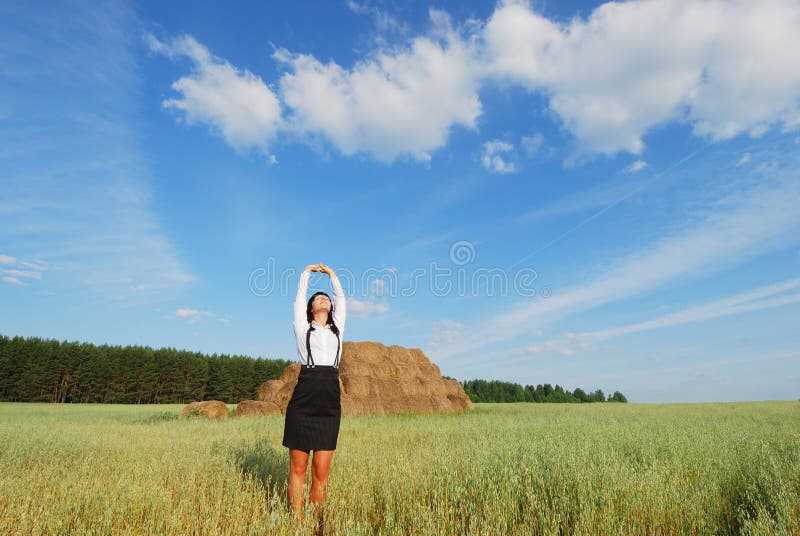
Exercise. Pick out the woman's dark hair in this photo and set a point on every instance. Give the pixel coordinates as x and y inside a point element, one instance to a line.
<point>310,316</point>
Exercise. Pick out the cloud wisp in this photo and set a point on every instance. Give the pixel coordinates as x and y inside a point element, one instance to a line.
<point>365,307</point>
<point>765,297</point>
<point>192,316</point>
<point>636,166</point>
<point>76,194</point>
<point>758,299</point>
<point>757,218</point>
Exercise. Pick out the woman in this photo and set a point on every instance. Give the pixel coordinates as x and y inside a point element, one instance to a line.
<point>314,411</point>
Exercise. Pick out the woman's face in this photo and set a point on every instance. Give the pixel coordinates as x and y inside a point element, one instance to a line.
<point>320,303</point>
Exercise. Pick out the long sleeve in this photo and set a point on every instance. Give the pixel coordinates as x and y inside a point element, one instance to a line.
<point>300,321</point>
<point>340,303</point>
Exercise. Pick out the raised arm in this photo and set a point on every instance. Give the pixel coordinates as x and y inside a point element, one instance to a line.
<point>340,303</point>
<point>300,320</point>
<point>340,307</point>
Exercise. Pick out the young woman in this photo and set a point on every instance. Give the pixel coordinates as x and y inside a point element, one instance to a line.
<point>314,411</point>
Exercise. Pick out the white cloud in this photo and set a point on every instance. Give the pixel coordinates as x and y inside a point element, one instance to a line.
<point>191,313</point>
<point>532,144</point>
<point>16,276</point>
<point>237,104</point>
<point>23,274</point>
<point>635,166</point>
<point>745,159</point>
<point>492,158</point>
<point>359,307</point>
<point>402,102</point>
<point>445,332</point>
<point>35,265</point>
<point>385,22</point>
<point>725,67</point>
<point>194,315</point>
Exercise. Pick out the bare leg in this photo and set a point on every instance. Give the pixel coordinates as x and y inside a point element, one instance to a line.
<point>320,466</point>
<point>298,464</point>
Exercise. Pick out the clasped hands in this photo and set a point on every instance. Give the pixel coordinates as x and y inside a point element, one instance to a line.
<point>320,268</point>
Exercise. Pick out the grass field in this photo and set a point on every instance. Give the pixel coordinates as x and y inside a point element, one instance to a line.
<point>500,469</point>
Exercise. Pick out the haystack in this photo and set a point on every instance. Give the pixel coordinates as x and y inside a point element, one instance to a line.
<point>210,409</point>
<point>379,379</point>
<point>254,408</point>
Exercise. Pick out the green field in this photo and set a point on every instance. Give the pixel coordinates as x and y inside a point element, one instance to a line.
<point>501,469</point>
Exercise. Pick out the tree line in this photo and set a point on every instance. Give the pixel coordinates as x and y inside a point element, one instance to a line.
<point>46,370</point>
<point>497,391</point>
<point>33,369</point>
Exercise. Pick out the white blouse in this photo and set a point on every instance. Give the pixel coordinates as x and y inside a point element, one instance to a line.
<point>323,340</point>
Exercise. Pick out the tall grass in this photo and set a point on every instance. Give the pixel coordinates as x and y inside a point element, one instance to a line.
<point>500,469</point>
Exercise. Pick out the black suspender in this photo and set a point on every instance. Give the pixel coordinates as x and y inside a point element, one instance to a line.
<point>308,347</point>
<point>338,343</point>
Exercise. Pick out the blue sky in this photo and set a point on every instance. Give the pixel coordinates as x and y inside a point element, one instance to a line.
<point>594,195</point>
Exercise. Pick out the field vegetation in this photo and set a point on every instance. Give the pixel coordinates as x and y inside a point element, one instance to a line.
<point>500,469</point>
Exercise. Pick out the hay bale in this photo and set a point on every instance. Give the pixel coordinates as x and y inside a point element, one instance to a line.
<point>291,373</point>
<point>357,387</point>
<point>356,368</point>
<point>269,389</point>
<point>254,408</point>
<point>352,406</point>
<point>456,395</point>
<point>378,379</point>
<point>210,409</point>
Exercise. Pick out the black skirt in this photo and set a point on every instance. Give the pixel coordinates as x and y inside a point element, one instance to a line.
<point>314,411</point>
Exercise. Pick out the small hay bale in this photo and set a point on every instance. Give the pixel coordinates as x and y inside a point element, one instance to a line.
<point>255,408</point>
<point>280,391</point>
<point>210,409</point>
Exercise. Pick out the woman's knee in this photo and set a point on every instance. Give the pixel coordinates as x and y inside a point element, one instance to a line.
<point>320,469</point>
<point>319,474</point>
<point>298,470</point>
<point>298,465</point>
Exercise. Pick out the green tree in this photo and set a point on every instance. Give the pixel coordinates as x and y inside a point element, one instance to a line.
<point>34,369</point>
<point>618,397</point>
<point>597,396</point>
